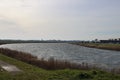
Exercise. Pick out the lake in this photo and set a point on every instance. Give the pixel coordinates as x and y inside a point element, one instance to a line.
<point>70,52</point>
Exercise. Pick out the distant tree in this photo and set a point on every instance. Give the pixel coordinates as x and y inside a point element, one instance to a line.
<point>96,40</point>
<point>115,39</point>
<point>119,39</point>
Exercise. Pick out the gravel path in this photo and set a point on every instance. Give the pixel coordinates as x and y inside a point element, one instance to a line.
<point>10,68</point>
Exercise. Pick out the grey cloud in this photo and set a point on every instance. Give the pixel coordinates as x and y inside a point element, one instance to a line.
<point>63,19</point>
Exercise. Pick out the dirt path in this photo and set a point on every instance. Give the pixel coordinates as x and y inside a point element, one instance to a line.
<point>10,68</point>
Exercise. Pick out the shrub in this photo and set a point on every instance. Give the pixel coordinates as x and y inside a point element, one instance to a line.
<point>84,76</point>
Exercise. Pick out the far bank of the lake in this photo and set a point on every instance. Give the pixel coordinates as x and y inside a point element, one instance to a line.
<point>106,46</point>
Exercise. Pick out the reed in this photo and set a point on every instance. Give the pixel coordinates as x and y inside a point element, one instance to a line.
<point>50,64</point>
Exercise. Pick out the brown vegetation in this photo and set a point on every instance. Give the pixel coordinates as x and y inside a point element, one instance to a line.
<point>50,64</point>
<point>106,46</point>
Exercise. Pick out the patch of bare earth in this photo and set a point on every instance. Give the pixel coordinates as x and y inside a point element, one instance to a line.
<point>9,68</point>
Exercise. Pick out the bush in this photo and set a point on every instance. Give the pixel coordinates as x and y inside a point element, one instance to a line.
<point>85,75</point>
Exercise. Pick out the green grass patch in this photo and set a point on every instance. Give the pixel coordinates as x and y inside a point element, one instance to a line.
<point>31,72</point>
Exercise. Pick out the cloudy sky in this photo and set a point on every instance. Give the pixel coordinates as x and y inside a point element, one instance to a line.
<point>59,19</point>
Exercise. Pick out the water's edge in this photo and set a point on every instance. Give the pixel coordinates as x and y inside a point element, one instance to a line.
<point>74,53</point>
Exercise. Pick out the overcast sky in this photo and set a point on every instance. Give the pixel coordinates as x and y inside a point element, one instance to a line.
<point>59,19</point>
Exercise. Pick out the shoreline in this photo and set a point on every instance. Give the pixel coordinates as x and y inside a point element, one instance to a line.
<point>50,64</point>
<point>31,72</point>
<point>55,72</point>
<point>104,46</point>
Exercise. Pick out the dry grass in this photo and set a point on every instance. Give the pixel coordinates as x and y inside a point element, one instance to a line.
<point>106,46</point>
<point>50,64</point>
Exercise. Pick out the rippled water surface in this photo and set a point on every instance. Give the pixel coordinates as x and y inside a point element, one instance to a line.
<point>70,52</point>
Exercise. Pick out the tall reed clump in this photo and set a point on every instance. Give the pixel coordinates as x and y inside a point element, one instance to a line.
<point>50,64</point>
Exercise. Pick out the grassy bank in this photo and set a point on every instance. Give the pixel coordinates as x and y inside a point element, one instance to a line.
<point>31,72</point>
<point>106,46</point>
